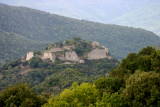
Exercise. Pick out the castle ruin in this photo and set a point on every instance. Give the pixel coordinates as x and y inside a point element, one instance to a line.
<point>67,54</point>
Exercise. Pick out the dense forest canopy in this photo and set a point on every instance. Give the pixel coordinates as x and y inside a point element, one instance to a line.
<point>133,83</point>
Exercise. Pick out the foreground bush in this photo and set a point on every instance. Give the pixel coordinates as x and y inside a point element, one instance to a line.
<point>83,95</point>
<point>20,96</point>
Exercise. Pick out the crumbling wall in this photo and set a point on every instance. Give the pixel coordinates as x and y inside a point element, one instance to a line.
<point>66,53</point>
<point>49,55</point>
<point>71,56</point>
<point>29,56</point>
<point>98,54</point>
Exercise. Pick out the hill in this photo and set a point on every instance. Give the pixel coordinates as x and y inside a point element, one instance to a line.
<point>146,17</point>
<point>51,76</point>
<point>135,13</point>
<point>71,52</point>
<point>13,46</point>
<point>41,26</point>
<point>134,82</point>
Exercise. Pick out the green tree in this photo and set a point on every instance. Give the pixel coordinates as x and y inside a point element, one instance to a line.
<point>144,63</point>
<point>130,62</point>
<point>36,62</point>
<point>83,95</point>
<point>147,51</point>
<point>155,62</point>
<point>143,89</point>
<point>112,100</point>
<point>20,96</point>
<point>109,85</point>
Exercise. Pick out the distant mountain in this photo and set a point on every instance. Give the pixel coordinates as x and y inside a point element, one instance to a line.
<point>13,46</point>
<point>146,17</point>
<point>134,13</point>
<point>41,26</point>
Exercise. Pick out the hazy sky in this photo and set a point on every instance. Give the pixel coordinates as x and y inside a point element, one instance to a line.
<point>96,10</point>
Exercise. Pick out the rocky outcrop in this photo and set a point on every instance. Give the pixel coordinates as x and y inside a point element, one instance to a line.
<point>98,54</point>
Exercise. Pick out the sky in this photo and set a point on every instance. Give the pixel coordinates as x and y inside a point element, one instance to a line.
<point>94,10</point>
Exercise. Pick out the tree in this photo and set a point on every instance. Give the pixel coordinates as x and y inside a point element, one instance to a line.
<point>83,95</point>
<point>109,85</point>
<point>20,96</point>
<point>148,59</point>
<point>112,100</point>
<point>144,63</point>
<point>147,51</point>
<point>36,62</point>
<point>155,62</point>
<point>143,89</point>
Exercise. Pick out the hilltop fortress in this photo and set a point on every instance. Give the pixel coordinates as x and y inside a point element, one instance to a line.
<point>72,51</point>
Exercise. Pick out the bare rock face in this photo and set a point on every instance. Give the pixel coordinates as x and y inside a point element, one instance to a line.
<point>98,54</point>
<point>71,56</point>
<point>29,56</point>
<point>49,55</point>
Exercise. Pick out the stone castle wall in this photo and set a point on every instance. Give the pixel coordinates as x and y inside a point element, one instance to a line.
<point>97,54</point>
<point>48,55</point>
<point>29,56</point>
<point>71,56</point>
<point>66,53</point>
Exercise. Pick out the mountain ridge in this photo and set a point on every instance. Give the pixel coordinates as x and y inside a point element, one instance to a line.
<point>45,27</point>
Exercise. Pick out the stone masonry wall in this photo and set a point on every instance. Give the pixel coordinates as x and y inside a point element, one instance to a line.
<point>29,56</point>
<point>97,54</point>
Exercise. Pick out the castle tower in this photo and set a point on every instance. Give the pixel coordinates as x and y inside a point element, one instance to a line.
<point>29,56</point>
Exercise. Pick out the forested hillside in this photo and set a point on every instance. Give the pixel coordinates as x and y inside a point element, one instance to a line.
<point>52,76</point>
<point>42,26</point>
<point>14,46</point>
<point>133,83</point>
<point>135,13</point>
